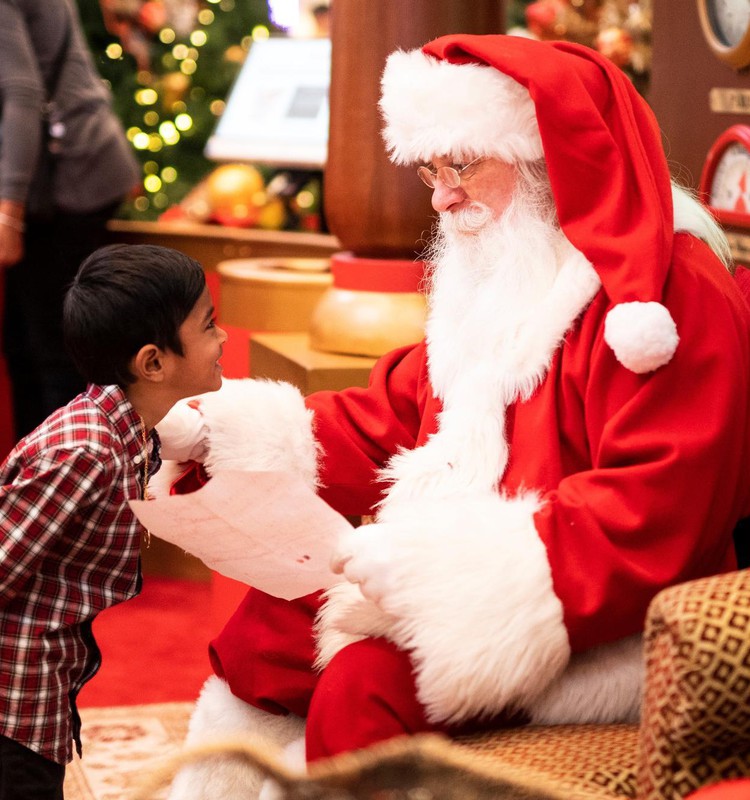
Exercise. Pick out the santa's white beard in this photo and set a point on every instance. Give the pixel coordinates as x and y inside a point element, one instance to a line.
<point>487,276</point>
<point>502,299</point>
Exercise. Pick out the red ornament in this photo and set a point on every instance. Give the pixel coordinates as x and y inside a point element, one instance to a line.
<point>152,16</point>
<point>616,44</point>
<point>542,17</point>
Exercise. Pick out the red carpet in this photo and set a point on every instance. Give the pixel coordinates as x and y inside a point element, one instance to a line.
<point>154,647</point>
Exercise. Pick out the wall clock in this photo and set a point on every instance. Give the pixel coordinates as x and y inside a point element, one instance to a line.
<point>726,26</point>
<point>725,180</point>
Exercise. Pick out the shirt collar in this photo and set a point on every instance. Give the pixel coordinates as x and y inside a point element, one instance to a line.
<point>119,410</point>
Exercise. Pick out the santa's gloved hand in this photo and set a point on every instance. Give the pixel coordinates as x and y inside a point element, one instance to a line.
<point>365,556</point>
<point>183,433</point>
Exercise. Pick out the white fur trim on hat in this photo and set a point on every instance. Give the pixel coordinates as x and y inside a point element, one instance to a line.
<point>643,336</point>
<point>434,108</point>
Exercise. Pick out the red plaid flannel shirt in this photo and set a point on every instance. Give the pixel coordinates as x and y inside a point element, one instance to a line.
<point>69,547</point>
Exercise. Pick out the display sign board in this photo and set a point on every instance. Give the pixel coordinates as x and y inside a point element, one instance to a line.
<point>277,110</point>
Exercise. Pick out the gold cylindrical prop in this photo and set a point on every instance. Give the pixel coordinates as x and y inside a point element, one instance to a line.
<point>372,306</point>
<point>271,294</point>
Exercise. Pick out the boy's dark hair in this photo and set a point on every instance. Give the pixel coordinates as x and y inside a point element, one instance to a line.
<point>123,297</point>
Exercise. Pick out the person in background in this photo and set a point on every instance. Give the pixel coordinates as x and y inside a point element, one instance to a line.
<point>65,167</point>
<point>321,13</point>
<point>141,329</point>
<point>571,437</point>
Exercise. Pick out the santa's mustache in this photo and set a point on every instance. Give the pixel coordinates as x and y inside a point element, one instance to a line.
<point>469,220</point>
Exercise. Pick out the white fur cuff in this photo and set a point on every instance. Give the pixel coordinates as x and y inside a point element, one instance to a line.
<point>259,425</point>
<point>346,617</point>
<point>473,602</point>
<point>603,684</point>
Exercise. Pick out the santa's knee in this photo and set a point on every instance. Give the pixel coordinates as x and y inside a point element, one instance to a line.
<point>366,694</point>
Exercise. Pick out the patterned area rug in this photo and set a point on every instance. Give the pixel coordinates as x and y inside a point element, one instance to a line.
<point>125,748</point>
<point>122,745</point>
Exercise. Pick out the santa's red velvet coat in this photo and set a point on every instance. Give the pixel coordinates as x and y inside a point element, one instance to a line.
<point>533,492</point>
<point>636,480</point>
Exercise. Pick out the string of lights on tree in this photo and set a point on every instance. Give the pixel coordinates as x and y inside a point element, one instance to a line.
<point>170,64</point>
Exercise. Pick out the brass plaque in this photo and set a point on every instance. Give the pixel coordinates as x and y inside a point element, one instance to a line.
<point>729,101</point>
<point>739,244</point>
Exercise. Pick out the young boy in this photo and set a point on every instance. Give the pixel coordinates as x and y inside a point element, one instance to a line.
<point>140,326</point>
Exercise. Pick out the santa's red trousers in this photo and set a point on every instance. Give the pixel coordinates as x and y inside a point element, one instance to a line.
<point>366,694</point>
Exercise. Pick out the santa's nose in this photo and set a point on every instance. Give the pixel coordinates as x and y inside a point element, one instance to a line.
<point>444,198</point>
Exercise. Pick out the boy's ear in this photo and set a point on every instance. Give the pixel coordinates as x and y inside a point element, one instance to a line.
<point>148,363</point>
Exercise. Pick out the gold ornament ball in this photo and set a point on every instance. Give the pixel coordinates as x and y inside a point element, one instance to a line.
<point>272,215</point>
<point>174,87</point>
<point>235,54</point>
<point>233,187</point>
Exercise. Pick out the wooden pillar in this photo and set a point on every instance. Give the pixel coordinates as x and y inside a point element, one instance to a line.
<point>380,213</point>
<point>375,209</point>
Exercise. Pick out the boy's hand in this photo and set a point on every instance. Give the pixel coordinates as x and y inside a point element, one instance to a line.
<point>11,246</point>
<point>11,232</point>
<point>183,433</point>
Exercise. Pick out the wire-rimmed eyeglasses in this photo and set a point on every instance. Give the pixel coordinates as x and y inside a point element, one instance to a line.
<point>449,176</point>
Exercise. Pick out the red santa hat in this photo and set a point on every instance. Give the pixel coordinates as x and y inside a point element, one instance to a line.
<point>519,99</point>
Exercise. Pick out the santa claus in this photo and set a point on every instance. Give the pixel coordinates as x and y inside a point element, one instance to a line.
<point>571,437</point>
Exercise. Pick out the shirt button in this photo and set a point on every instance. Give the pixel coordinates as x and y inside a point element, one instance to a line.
<point>137,459</point>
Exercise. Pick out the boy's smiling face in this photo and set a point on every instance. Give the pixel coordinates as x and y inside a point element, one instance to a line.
<point>198,369</point>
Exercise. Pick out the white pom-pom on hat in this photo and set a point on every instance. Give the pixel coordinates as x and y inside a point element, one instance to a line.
<point>643,336</point>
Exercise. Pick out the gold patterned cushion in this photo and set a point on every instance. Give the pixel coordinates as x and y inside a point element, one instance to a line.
<point>580,761</point>
<point>696,715</point>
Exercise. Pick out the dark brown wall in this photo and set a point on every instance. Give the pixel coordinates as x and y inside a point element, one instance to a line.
<point>684,71</point>
<point>374,208</point>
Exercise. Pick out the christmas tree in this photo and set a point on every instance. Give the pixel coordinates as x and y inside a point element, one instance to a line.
<point>618,29</point>
<point>170,65</point>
